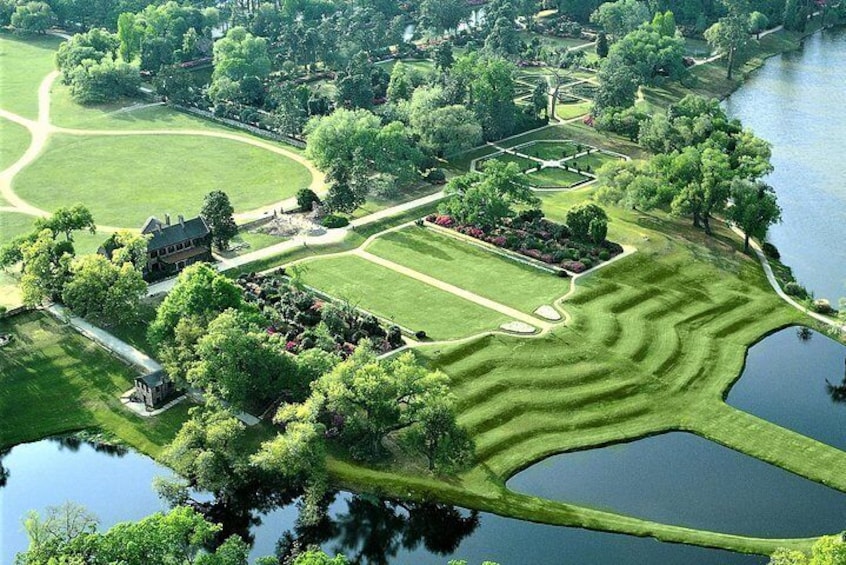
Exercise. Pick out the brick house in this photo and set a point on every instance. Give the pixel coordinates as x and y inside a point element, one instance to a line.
<point>172,247</point>
<point>153,389</point>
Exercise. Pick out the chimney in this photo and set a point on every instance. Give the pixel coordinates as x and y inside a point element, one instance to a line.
<point>181,220</point>
<point>167,219</point>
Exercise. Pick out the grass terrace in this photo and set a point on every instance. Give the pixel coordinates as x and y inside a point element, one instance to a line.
<point>123,180</point>
<point>470,267</point>
<point>549,151</point>
<point>398,298</point>
<point>568,111</point>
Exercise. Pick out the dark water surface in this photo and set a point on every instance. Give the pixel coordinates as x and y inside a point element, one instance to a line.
<point>118,488</point>
<point>795,378</point>
<point>682,479</point>
<point>796,102</point>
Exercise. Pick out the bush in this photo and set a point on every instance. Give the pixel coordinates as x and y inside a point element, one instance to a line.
<point>604,255</point>
<point>305,198</point>
<point>793,288</point>
<point>587,262</point>
<point>436,176</point>
<point>574,266</point>
<point>771,251</point>
<point>580,217</point>
<point>332,221</point>
<point>420,335</point>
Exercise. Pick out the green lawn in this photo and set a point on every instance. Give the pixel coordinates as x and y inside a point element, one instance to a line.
<point>549,151</point>
<point>592,160</point>
<point>124,180</point>
<point>572,110</point>
<point>14,139</point>
<point>247,241</point>
<point>24,62</point>
<point>408,302</point>
<point>522,162</point>
<point>554,177</point>
<point>53,381</point>
<point>471,268</point>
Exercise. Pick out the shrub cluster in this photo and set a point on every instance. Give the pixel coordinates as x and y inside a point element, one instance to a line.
<point>306,322</point>
<point>334,221</point>
<point>534,236</point>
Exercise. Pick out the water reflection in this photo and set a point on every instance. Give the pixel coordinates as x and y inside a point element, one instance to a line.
<point>4,471</point>
<point>73,443</point>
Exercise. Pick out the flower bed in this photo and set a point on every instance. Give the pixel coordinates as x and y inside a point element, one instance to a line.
<point>304,321</point>
<point>531,235</point>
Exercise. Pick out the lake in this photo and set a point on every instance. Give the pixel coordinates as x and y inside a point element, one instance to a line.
<point>794,101</point>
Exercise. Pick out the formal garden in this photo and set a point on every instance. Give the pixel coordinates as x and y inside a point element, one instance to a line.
<point>553,164</point>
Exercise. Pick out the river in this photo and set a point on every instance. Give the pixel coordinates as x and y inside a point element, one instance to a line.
<point>794,102</point>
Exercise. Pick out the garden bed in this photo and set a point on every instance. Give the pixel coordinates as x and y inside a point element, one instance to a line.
<point>535,237</point>
<point>304,321</point>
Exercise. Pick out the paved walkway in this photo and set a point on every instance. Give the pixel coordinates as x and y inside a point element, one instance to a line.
<point>768,270</point>
<point>105,339</point>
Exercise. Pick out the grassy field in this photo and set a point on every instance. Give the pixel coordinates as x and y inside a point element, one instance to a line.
<point>54,381</point>
<point>14,139</point>
<point>592,160</point>
<point>127,179</point>
<point>572,110</point>
<point>474,269</point>
<point>522,162</point>
<point>554,177</point>
<point>24,62</point>
<point>393,296</point>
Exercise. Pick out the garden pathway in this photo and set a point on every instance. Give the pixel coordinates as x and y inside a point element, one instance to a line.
<point>41,129</point>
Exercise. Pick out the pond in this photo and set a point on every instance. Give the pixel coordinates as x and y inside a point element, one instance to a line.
<point>795,103</point>
<point>377,531</point>
<point>792,378</point>
<point>682,479</point>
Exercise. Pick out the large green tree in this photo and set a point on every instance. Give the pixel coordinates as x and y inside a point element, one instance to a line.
<point>32,17</point>
<point>240,54</point>
<point>754,208</point>
<point>219,214</point>
<point>104,289</point>
<point>728,37</point>
<point>621,17</point>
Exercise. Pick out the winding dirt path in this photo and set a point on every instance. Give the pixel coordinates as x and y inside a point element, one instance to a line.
<point>41,129</point>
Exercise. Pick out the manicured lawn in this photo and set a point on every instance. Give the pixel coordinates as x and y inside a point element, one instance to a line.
<point>247,241</point>
<point>13,225</point>
<point>471,268</point>
<point>24,62</point>
<point>553,176</point>
<point>593,160</point>
<point>53,381</point>
<point>376,203</point>
<point>573,110</point>
<point>522,162</point>
<point>14,139</point>
<point>408,302</point>
<point>124,180</point>
<point>549,151</point>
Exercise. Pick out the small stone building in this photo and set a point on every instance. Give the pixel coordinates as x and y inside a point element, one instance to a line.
<point>172,247</point>
<point>153,389</point>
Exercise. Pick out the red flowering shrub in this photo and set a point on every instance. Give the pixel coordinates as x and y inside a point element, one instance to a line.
<point>574,266</point>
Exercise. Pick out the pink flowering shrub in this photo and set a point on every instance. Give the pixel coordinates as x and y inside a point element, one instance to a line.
<point>574,266</point>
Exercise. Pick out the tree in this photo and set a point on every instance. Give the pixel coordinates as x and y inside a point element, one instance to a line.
<point>442,15</point>
<point>758,22</point>
<point>219,214</point>
<point>445,444</point>
<point>105,81</point>
<point>207,451</point>
<point>103,289</point>
<point>32,17</point>
<point>484,200</point>
<point>621,17</point>
<point>650,54</point>
<point>129,34</point>
<point>306,198</point>
<point>582,217</point>
<point>200,294</point>
<point>355,84</point>
<point>795,15</point>
<point>442,129</point>
<point>617,85</point>
<point>240,54</point>
<point>827,550</point>
<point>51,536</point>
<point>94,45</point>
<point>443,56</point>
<point>298,454</point>
<point>317,557</point>
<point>754,208</point>
<point>540,100</point>
<point>728,36</point>
<point>68,220</point>
<point>492,91</point>
<point>402,84</point>
<point>602,44</point>
<point>240,364</point>
<point>503,39</point>
<point>46,268</point>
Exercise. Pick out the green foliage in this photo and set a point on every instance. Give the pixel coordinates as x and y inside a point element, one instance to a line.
<point>94,45</point>
<point>306,198</point>
<point>50,537</point>
<point>239,55</point>
<point>240,364</point>
<point>587,219</point>
<point>66,221</point>
<point>729,36</point>
<point>827,550</point>
<point>46,268</point>
<point>220,217</point>
<point>617,85</point>
<point>754,208</point>
<point>621,17</point>
<point>129,34</point>
<point>207,452</point>
<point>332,221</point>
<point>32,17</point>
<point>318,557</point>
<point>650,54</point>
<point>100,288</point>
<point>105,81</point>
<point>602,44</point>
<point>200,295</point>
<point>442,15</point>
<point>484,200</point>
<point>443,129</point>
